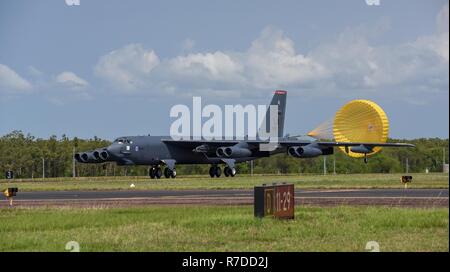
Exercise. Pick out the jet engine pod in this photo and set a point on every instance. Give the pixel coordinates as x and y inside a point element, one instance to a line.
<point>89,157</point>
<point>100,155</point>
<point>360,121</point>
<point>104,155</point>
<point>233,152</point>
<point>96,154</point>
<point>77,157</point>
<point>220,152</point>
<point>308,151</point>
<point>84,157</point>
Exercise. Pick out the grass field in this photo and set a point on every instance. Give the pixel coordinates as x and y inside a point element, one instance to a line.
<point>229,228</point>
<point>238,182</point>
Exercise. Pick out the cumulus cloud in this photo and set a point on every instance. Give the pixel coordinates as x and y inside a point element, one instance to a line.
<point>60,89</point>
<point>11,82</point>
<point>71,80</point>
<point>272,62</point>
<point>127,68</point>
<point>350,63</point>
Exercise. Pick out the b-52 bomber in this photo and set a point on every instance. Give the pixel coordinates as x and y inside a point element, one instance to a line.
<point>165,151</point>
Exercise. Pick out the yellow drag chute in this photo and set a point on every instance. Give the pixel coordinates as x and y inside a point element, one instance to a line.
<point>360,121</point>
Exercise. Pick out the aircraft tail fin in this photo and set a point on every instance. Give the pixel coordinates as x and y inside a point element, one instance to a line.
<point>278,100</point>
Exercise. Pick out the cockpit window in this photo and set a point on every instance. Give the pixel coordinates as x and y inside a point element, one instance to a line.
<point>119,141</point>
<point>123,141</point>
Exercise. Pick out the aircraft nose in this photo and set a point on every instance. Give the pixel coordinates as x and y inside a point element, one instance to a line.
<point>114,150</point>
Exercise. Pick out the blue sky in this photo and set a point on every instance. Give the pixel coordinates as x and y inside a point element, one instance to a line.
<point>110,68</point>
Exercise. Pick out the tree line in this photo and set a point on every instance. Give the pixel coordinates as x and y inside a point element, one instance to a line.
<point>27,155</point>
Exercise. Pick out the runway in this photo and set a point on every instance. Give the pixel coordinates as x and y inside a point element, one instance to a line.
<point>329,197</point>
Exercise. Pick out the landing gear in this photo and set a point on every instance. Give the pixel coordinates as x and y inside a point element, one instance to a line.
<point>366,160</point>
<point>168,173</point>
<point>151,172</point>
<point>155,172</point>
<point>215,171</point>
<point>229,171</point>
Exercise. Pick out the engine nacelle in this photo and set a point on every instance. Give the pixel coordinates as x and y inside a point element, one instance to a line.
<point>308,151</point>
<point>233,152</point>
<point>89,157</point>
<point>101,155</point>
<point>78,157</point>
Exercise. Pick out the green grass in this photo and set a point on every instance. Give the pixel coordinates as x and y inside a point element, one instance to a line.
<point>227,228</point>
<point>239,182</point>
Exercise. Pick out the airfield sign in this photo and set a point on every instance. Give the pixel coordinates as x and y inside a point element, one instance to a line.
<point>275,200</point>
<point>9,174</point>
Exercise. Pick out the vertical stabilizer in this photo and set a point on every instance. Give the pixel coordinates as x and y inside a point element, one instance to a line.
<point>278,100</point>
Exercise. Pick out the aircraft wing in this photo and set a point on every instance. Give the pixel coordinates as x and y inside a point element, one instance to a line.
<point>193,143</point>
<point>368,144</point>
<point>189,143</point>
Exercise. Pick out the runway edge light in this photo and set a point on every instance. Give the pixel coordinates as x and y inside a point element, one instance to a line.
<point>10,193</point>
<point>405,180</point>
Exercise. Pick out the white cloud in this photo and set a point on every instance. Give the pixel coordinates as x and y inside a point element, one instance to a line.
<point>217,66</point>
<point>272,62</point>
<point>350,64</point>
<point>71,80</point>
<point>11,82</point>
<point>127,67</point>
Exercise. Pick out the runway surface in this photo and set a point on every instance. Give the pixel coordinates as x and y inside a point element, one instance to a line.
<point>390,197</point>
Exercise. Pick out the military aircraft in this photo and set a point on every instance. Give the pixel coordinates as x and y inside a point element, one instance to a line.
<point>158,151</point>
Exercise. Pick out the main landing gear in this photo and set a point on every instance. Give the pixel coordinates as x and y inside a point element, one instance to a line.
<point>215,171</point>
<point>168,173</point>
<point>156,172</point>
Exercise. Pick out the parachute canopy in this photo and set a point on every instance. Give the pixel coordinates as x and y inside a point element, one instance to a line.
<point>360,121</point>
